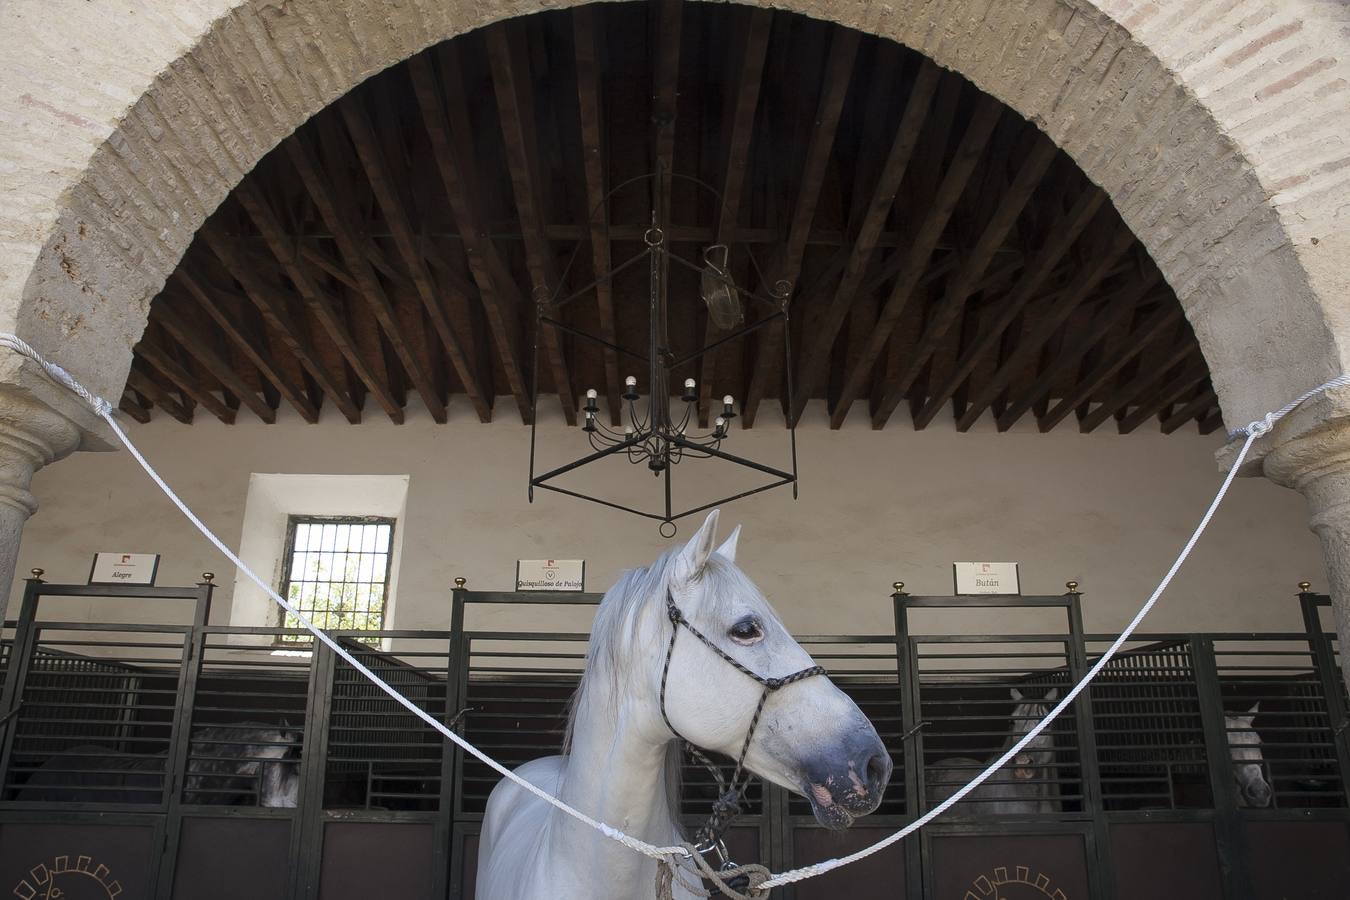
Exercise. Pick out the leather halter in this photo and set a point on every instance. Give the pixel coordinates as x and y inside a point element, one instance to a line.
<point>728,804</point>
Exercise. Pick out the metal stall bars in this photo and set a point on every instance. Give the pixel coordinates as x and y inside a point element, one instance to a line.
<point>966,697</point>
<point>94,749</point>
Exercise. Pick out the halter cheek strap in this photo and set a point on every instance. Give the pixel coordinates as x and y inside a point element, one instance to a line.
<point>728,804</point>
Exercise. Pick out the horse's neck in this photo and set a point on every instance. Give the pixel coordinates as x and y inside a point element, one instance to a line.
<point>617,775</point>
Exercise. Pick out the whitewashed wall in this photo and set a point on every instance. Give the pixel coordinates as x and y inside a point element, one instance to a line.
<point>1106,510</point>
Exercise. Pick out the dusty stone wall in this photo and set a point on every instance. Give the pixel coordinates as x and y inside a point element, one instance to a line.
<point>1216,126</point>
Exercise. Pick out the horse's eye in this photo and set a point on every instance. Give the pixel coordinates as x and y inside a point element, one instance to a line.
<point>746,631</point>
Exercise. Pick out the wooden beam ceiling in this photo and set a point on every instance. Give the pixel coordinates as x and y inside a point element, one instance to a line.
<point>940,250</point>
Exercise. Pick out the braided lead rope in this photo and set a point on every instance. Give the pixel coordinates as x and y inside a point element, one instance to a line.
<point>668,855</point>
<point>104,409</point>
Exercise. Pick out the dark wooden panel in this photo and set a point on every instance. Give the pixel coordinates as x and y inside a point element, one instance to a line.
<point>362,860</point>
<point>1166,861</point>
<point>1298,860</point>
<point>204,872</point>
<point>99,862</point>
<point>880,875</point>
<point>1012,867</point>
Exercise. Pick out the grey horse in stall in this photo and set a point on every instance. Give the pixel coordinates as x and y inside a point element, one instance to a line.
<point>231,765</point>
<point>1030,786</point>
<point>1249,763</point>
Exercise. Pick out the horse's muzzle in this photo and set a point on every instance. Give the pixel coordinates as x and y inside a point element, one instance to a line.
<point>841,790</point>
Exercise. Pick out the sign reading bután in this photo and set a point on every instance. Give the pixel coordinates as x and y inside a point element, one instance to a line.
<point>550,574</point>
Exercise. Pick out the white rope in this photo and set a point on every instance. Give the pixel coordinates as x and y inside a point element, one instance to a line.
<point>104,409</point>
<point>1252,431</point>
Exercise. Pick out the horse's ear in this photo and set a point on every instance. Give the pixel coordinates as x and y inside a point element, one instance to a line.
<point>1016,695</point>
<point>1256,708</point>
<point>1052,696</point>
<point>728,548</point>
<point>694,556</point>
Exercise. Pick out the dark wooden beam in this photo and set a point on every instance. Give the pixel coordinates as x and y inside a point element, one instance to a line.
<point>919,256</point>
<point>1141,387</point>
<point>1136,343</point>
<point>1043,325</point>
<point>1212,422</point>
<point>766,370</point>
<point>440,104</point>
<point>196,346</point>
<point>1200,404</point>
<point>1172,391</point>
<point>329,187</point>
<point>967,280</point>
<point>749,77</point>
<point>247,345</point>
<point>184,380</point>
<point>508,55</point>
<point>666,27</point>
<point>816,359</point>
<point>586,42</point>
<point>144,384</point>
<point>385,185</point>
<point>129,405</point>
<point>316,300</point>
<point>1063,234</point>
<point>1111,312</point>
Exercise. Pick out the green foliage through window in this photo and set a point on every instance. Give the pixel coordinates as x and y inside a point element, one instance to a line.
<point>337,572</point>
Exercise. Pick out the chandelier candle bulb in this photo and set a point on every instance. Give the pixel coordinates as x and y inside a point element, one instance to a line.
<point>689,395</point>
<point>591,405</point>
<point>728,407</point>
<point>630,388</point>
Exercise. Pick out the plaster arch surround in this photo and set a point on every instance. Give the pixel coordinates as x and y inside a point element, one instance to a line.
<point>1215,126</point>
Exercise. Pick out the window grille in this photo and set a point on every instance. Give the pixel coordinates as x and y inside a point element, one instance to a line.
<point>337,572</point>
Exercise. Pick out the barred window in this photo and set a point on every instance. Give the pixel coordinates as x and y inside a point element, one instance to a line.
<point>337,571</point>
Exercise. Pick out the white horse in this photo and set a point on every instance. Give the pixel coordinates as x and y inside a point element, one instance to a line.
<point>809,737</point>
<point>1249,763</point>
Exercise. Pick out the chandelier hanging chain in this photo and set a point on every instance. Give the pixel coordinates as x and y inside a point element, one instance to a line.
<point>658,435</point>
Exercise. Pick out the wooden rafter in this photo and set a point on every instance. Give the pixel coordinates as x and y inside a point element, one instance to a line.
<point>440,104</point>
<point>184,380</point>
<point>817,356</point>
<point>1138,388</point>
<point>196,346</point>
<point>586,41</point>
<point>1062,236</point>
<point>965,283</point>
<point>766,369</point>
<point>1139,340</point>
<point>380,174</point>
<point>1112,311</point>
<point>939,212</point>
<point>1201,403</point>
<point>132,407</point>
<point>1047,321</point>
<point>330,190</point>
<point>248,345</point>
<point>749,77</point>
<point>144,384</point>
<point>508,54</point>
<point>1172,391</point>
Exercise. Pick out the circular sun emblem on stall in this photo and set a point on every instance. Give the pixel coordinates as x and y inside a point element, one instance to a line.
<point>1020,884</point>
<point>85,880</point>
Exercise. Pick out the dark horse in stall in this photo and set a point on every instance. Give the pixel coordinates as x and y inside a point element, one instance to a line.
<point>233,765</point>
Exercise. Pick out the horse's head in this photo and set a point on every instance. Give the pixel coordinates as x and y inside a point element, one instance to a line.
<point>1244,746</point>
<point>809,736</point>
<point>279,754</point>
<point>1041,751</point>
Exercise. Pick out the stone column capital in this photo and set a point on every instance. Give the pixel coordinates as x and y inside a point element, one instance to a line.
<point>32,434</point>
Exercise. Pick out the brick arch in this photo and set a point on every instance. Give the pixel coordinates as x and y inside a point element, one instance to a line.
<point>1211,125</point>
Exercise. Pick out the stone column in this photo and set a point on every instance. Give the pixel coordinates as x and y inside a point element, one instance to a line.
<point>39,424</point>
<point>1310,452</point>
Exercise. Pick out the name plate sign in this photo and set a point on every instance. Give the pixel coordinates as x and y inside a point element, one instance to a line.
<point>986,578</point>
<point>124,568</point>
<point>550,574</point>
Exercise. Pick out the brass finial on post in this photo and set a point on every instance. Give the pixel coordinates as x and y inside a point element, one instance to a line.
<point>460,582</point>
<point>898,587</point>
<point>208,577</point>
<point>1072,586</point>
<point>37,573</point>
<point>1304,587</point>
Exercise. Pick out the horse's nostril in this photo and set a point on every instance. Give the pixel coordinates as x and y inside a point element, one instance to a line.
<point>878,771</point>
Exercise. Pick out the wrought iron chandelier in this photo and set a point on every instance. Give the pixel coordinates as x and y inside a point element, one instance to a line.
<point>660,435</point>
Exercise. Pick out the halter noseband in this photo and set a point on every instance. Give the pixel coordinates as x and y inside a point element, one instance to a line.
<point>728,804</point>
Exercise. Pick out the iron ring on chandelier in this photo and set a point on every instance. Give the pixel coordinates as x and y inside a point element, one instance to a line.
<point>658,437</point>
